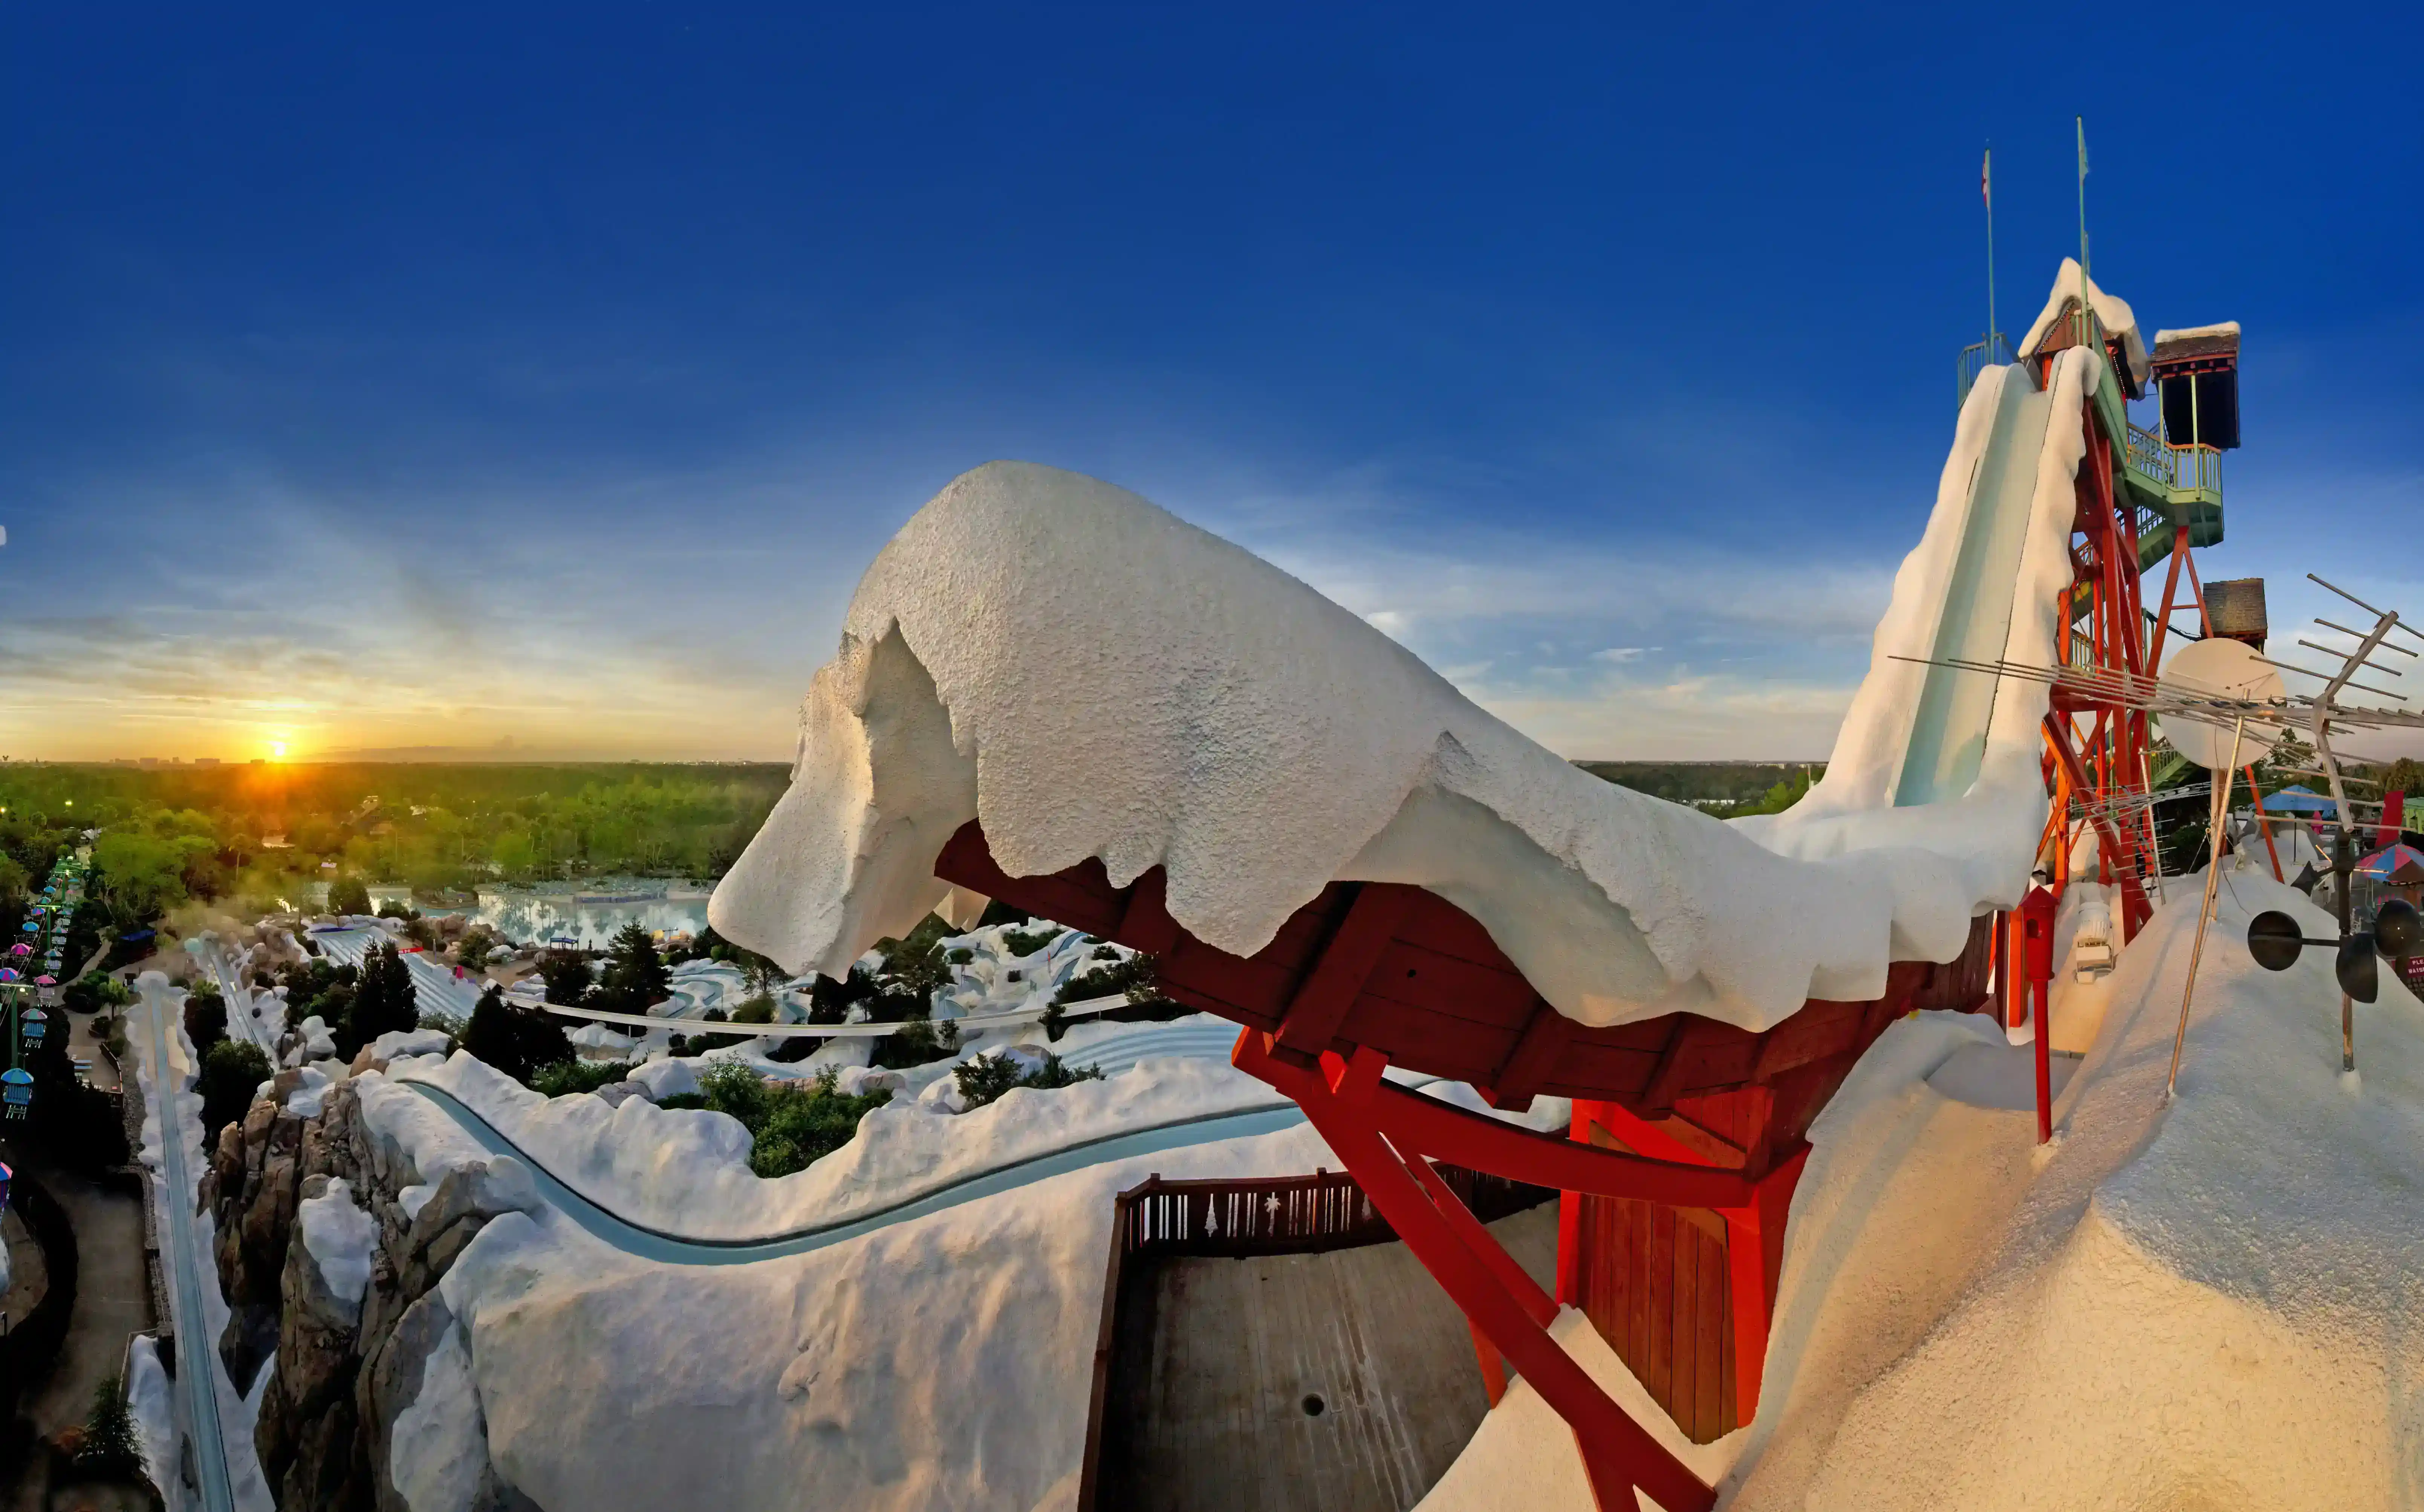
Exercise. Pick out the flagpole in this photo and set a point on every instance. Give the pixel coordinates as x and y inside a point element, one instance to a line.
<point>1987,179</point>
<point>2082,122</point>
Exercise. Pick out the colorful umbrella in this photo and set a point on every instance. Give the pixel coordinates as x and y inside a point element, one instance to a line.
<point>2384,863</point>
<point>7,974</point>
<point>21,950</point>
<point>45,981</point>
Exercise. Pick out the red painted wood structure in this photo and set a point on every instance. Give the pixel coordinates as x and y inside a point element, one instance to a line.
<point>1674,1115</point>
<point>2140,498</point>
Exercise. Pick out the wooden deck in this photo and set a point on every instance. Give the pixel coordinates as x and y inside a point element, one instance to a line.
<point>1221,1363</point>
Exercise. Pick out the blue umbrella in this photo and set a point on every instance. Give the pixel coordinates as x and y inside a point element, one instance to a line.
<point>2299,801</point>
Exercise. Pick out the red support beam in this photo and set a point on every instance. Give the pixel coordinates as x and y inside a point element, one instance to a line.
<point>1370,1126</point>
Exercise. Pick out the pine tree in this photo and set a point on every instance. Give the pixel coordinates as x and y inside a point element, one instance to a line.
<point>637,978</point>
<point>109,1446</point>
<point>490,1036</point>
<point>385,1001</point>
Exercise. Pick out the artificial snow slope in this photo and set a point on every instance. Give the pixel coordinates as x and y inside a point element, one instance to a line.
<point>1091,677</point>
<point>1945,760</point>
<point>2200,1305</point>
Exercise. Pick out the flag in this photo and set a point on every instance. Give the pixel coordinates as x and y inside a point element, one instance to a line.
<point>2082,144</point>
<point>1987,179</point>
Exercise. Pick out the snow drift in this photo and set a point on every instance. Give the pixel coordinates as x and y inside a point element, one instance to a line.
<point>2202,1304</point>
<point>1092,676</point>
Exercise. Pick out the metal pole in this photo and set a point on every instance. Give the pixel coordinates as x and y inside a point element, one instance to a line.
<point>2212,877</point>
<point>2082,123</point>
<point>1990,256</point>
<point>2343,879</point>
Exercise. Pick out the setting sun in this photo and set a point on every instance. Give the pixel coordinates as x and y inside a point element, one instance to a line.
<point>278,750</point>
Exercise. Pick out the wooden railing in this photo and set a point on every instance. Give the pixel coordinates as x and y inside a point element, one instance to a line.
<point>1242,1216</point>
<point>1283,1214</point>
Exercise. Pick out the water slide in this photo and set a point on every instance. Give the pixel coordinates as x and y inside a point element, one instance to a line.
<point>650,1243</point>
<point>196,1383</point>
<point>1948,734</point>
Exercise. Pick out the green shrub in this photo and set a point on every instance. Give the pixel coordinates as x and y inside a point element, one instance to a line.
<point>569,1076</point>
<point>97,990</point>
<point>790,1126</point>
<point>917,1041</point>
<point>982,1079</point>
<point>231,1072</point>
<point>1027,942</point>
<point>960,955</point>
<point>759,1010</point>
<point>1137,978</point>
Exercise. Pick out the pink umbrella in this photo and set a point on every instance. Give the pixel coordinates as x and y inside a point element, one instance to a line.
<point>45,981</point>
<point>21,950</point>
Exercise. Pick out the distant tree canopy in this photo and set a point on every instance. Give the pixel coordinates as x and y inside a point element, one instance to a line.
<point>1723,789</point>
<point>262,835</point>
<point>349,894</point>
<point>1720,788</point>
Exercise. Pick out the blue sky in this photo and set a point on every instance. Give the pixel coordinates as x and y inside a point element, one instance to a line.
<point>465,373</point>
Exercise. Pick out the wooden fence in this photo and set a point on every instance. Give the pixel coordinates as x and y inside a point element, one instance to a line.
<point>1243,1217</point>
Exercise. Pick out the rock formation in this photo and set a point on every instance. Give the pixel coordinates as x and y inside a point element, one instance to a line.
<point>344,1367</point>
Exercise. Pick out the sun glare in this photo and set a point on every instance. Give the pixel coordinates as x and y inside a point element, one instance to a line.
<point>278,750</point>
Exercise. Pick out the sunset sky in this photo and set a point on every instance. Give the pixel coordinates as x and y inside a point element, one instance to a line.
<point>475,374</point>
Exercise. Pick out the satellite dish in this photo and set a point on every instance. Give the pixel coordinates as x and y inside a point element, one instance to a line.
<point>2228,669</point>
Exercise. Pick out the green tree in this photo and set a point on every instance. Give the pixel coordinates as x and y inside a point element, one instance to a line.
<point>205,1019</point>
<point>349,895</point>
<point>566,975</point>
<point>384,1002</point>
<point>519,1042</point>
<point>140,877</point>
<point>110,1448</point>
<point>636,976</point>
<point>231,1072</point>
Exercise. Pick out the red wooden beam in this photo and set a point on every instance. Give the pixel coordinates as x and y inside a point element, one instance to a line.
<point>1618,1455</point>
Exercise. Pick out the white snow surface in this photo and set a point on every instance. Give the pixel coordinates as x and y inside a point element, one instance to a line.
<point>1987,839</point>
<point>395,1043</point>
<point>2227,328</point>
<point>686,1170</point>
<point>2203,1304</point>
<point>669,1077</point>
<point>2118,319</point>
<point>1092,676</point>
<point>437,1442</point>
<point>149,1398</point>
<point>341,1239</point>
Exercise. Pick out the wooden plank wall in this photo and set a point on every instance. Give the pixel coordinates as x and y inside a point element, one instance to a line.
<point>1653,1281</point>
